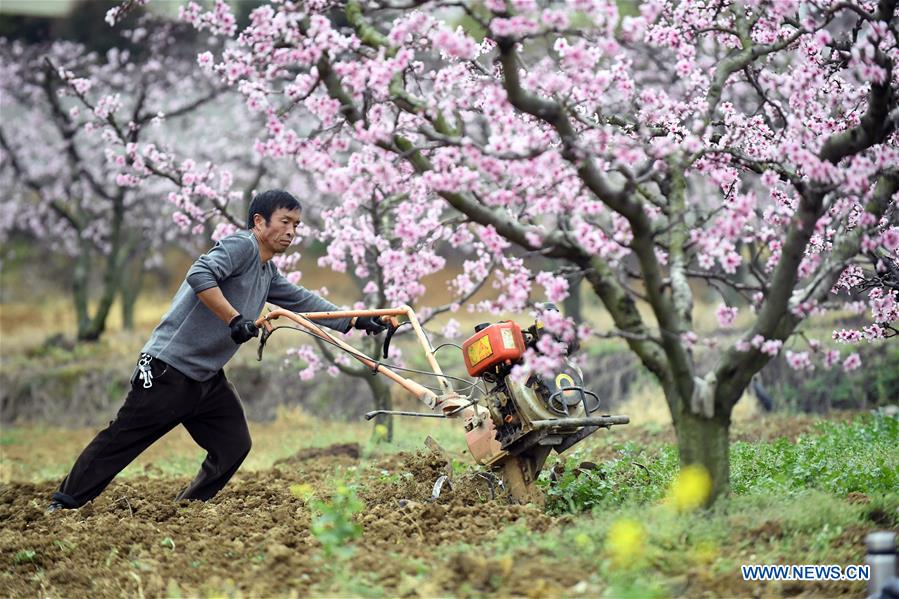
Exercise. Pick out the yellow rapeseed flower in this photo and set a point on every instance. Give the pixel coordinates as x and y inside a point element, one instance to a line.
<point>303,491</point>
<point>582,540</point>
<point>380,432</point>
<point>626,540</point>
<point>705,552</point>
<point>691,488</point>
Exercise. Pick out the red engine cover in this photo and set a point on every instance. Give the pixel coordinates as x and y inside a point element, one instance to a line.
<point>491,346</point>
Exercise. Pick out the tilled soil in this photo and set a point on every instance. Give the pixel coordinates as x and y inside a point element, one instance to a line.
<point>254,539</point>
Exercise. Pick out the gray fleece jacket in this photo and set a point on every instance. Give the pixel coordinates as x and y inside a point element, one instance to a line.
<point>192,339</point>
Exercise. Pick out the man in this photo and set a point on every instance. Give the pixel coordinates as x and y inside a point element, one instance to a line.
<point>179,377</point>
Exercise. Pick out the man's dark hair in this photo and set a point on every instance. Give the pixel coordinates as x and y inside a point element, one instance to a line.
<point>268,201</point>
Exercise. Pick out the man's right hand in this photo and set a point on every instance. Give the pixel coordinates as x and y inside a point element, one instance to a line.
<point>242,329</point>
<point>372,325</point>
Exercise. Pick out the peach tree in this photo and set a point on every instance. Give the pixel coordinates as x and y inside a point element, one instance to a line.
<point>748,146</point>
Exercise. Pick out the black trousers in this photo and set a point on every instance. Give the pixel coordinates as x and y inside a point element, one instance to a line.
<point>209,410</point>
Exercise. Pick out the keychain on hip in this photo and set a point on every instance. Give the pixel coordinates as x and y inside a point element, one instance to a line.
<point>146,374</point>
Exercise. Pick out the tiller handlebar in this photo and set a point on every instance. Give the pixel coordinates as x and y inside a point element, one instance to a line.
<point>447,402</point>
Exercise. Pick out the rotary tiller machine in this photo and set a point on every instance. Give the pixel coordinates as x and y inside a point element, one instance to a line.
<point>510,426</point>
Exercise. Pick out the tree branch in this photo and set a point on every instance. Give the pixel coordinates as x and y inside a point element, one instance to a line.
<point>37,187</point>
<point>775,321</point>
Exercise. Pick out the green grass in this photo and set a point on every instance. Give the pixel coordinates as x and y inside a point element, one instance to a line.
<point>638,476</point>
<point>860,456</point>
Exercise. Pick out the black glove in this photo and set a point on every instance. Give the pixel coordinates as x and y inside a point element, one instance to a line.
<point>242,329</point>
<point>372,325</point>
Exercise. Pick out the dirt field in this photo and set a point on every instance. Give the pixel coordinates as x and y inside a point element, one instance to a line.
<point>255,539</point>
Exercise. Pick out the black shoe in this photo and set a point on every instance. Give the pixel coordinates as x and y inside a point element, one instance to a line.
<point>55,506</point>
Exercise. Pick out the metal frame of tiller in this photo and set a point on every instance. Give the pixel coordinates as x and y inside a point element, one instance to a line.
<point>518,459</point>
<point>446,401</point>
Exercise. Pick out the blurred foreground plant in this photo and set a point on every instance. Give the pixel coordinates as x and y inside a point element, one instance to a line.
<point>334,527</point>
<point>690,489</point>
<point>625,541</point>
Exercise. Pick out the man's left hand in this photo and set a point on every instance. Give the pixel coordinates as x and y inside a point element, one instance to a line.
<point>372,325</point>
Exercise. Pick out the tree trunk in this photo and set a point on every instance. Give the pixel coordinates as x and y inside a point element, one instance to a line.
<point>120,249</point>
<point>129,299</point>
<point>571,306</point>
<point>97,325</point>
<point>706,442</point>
<point>130,290</point>
<point>90,327</point>
<point>380,390</point>
<point>80,286</point>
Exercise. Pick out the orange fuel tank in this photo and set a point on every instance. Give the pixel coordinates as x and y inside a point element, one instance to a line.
<point>491,346</point>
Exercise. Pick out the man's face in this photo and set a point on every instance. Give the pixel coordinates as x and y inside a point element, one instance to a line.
<point>280,230</point>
